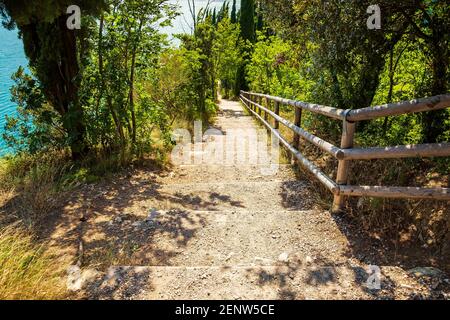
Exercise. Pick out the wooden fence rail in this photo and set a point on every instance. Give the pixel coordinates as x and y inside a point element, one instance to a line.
<point>346,151</point>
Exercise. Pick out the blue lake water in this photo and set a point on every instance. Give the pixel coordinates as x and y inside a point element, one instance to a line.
<point>11,57</point>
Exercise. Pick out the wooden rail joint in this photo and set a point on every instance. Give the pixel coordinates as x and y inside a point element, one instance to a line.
<point>342,175</point>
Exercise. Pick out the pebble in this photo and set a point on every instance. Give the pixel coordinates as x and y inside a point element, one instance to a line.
<point>284,257</point>
<point>152,215</point>
<point>137,224</point>
<point>406,286</point>
<point>426,272</point>
<point>229,256</point>
<point>435,284</point>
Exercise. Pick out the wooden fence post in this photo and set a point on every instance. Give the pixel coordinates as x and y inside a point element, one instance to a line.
<point>298,123</point>
<point>267,105</point>
<point>260,103</point>
<point>277,112</point>
<point>348,134</point>
<point>266,115</point>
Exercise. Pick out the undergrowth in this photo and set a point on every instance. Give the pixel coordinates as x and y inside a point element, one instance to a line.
<point>27,270</point>
<point>32,187</point>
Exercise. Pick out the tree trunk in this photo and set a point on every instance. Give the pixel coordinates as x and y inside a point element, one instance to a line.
<point>132,109</point>
<point>117,122</point>
<point>100,62</point>
<point>132,73</point>
<point>433,121</point>
<point>73,119</point>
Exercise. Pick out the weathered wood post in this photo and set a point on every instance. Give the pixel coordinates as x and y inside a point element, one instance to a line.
<point>260,103</point>
<point>348,134</point>
<point>250,97</point>
<point>267,105</point>
<point>277,112</point>
<point>266,115</point>
<point>298,123</point>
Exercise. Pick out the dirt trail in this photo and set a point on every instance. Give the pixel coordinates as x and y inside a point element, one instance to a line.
<point>219,232</point>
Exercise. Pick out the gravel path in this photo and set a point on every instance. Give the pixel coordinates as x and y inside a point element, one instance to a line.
<point>224,232</point>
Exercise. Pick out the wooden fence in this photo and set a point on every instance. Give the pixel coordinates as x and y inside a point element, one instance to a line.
<point>346,152</point>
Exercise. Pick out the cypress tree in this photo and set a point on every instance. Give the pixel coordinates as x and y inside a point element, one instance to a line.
<point>214,17</point>
<point>233,12</point>
<point>54,54</point>
<point>260,20</point>
<point>260,23</point>
<point>247,20</point>
<point>220,14</point>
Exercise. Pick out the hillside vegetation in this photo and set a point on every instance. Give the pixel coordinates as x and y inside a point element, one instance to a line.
<point>107,97</point>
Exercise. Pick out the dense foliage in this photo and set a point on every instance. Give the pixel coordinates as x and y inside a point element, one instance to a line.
<point>116,84</point>
<point>127,85</point>
<point>353,66</point>
<point>55,55</point>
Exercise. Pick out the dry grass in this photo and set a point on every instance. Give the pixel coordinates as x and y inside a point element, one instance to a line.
<point>27,271</point>
<point>28,189</point>
<point>32,186</point>
<point>29,186</point>
<point>426,222</point>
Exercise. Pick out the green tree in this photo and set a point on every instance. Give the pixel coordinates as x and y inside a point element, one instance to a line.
<point>430,25</point>
<point>171,88</point>
<point>259,18</point>
<point>55,55</point>
<point>120,52</point>
<point>37,126</point>
<point>247,24</point>
<point>247,20</point>
<point>234,12</point>
<point>127,49</point>
<point>272,68</point>
<point>351,57</point>
<point>204,81</point>
<point>227,55</point>
<point>214,17</point>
